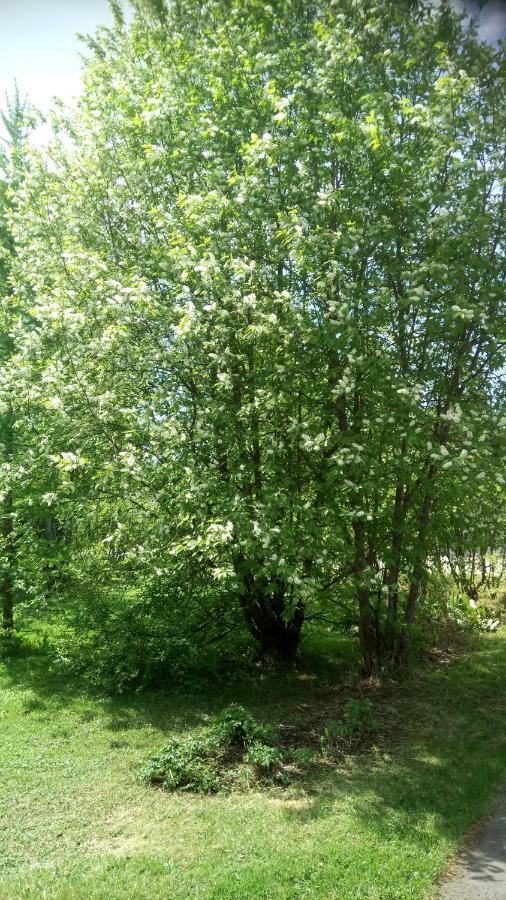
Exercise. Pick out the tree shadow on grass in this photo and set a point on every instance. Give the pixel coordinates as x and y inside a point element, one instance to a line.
<point>29,669</point>
<point>427,776</point>
<point>437,774</point>
<point>435,764</point>
<point>282,698</point>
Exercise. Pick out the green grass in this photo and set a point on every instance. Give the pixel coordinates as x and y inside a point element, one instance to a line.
<point>382,823</point>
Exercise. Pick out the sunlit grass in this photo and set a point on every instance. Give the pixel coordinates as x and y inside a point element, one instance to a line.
<point>75,823</point>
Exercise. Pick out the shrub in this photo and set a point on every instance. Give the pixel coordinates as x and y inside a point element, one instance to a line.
<point>236,725</point>
<point>357,720</point>
<point>183,764</point>
<point>202,764</point>
<point>119,637</point>
<point>263,757</point>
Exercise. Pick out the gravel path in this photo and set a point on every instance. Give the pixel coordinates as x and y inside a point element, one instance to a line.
<point>480,873</point>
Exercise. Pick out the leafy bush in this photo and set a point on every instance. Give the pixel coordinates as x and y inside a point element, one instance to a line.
<point>119,640</point>
<point>203,764</point>
<point>183,764</point>
<point>357,720</point>
<point>236,725</point>
<point>263,756</point>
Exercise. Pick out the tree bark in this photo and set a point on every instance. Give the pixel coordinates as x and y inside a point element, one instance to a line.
<point>264,608</point>
<point>417,575</point>
<point>366,630</point>
<point>393,570</point>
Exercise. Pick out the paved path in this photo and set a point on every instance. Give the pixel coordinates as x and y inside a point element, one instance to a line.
<point>480,873</point>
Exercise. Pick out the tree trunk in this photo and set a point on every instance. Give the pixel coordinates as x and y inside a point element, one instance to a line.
<point>278,638</point>
<point>366,630</point>
<point>264,611</point>
<point>417,576</point>
<point>393,571</point>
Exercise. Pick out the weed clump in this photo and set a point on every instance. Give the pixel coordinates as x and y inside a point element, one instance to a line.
<point>358,721</point>
<point>185,764</point>
<point>236,748</point>
<point>236,725</point>
<point>202,764</point>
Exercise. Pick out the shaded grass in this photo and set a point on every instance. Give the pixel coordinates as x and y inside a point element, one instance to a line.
<point>377,825</point>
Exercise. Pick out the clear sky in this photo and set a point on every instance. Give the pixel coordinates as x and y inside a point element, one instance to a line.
<point>39,48</point>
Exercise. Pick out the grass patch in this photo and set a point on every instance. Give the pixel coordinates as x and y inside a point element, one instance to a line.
<point>378,823</point>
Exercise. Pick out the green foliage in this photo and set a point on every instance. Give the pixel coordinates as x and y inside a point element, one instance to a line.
<point>474,617</point>
<point>202,764</point>
<point>264,757</point>
<point>183,764</point>
<point>10,645</point>
<point>252,348</point>
<point>302,756</point>
<point>445,604</point>
<point>358,720</point>
<point>151,636</point>
<point>258,336</point>
<point>236,725</point>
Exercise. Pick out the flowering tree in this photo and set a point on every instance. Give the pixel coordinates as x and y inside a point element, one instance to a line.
<point>266,260</point>
<point>15,126</point>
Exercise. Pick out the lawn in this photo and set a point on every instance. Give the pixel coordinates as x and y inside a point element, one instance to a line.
<point>380,823</point>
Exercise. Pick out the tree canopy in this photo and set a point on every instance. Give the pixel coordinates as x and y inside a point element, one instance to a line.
<point>259,333</point>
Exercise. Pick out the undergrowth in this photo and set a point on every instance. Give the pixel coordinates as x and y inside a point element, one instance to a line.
<point>237,749</point>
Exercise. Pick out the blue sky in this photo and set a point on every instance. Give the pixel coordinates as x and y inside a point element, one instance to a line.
<point>39,48</point>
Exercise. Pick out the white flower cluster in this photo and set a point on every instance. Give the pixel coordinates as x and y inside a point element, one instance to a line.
<point>454,414</point>
<point>221,532</point>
